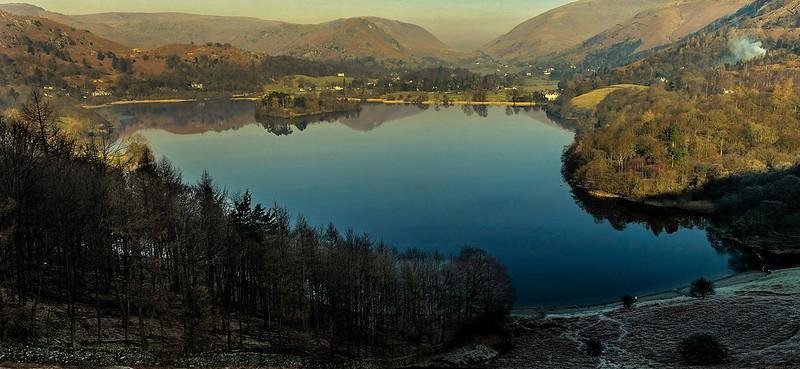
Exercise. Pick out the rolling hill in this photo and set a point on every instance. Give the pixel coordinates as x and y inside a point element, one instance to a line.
<point>340,39</point>
<point>605,31</point>
<point>42,52</point>
<point>39,48</point>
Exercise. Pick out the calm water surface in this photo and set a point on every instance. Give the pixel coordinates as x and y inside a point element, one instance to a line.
<point>437,180</point>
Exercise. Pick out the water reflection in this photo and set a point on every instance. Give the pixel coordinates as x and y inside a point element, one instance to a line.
<point>186,118</point>
<point>183,118</point>
<point>621,214</point>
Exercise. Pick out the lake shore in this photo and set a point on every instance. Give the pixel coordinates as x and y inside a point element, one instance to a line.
<point>354,99</point>
<point>164,101</point>
<point>434,102</point>
<point>695,206</point>
<point>734,281</point>
<point>760,307</point>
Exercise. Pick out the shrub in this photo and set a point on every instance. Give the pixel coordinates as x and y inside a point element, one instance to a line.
<point>594,347</point>
<point>701,288</point>
<point>16,325</point>
<point>628,301</point>
<point>702,349</point>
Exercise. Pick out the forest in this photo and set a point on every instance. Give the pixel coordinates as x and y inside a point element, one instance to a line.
<point>122,250</point>
<point>694,123</point>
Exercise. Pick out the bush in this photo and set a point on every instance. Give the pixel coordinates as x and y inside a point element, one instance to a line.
<point>16,325</point>
<point>594,347</point>
<point>628,301</point>
<point>701,288</point>
<point>702,349</point>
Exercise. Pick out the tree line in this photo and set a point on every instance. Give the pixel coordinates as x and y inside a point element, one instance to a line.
<point>121,242</point>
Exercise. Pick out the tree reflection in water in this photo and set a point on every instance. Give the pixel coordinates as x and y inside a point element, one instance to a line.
<point>620,213</point>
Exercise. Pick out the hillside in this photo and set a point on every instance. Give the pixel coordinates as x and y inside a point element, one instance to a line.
<point>366,37</point>
<point>565,27</point>
<point>718,124</point>
<point>649,29</point>
<point>339,39</point>
<point>37,50</point>
<point>43,52</point>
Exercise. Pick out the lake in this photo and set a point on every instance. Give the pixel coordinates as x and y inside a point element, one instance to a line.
<point>438,179</point>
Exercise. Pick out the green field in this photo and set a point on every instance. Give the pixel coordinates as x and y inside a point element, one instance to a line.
<point>590,100</point>
<point>539,84</point>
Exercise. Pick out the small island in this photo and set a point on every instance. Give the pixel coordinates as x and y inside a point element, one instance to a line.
<point>282,105</point>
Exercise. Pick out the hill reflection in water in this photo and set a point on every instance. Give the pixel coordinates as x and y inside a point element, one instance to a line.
<point>187,118</point>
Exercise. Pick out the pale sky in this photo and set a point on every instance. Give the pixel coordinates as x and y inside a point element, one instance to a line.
<point>460,23</point>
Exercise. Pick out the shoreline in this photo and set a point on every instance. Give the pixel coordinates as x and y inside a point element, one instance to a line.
<point>165,101</point>
<point>353,99</point>
<point>666,296</point>
<point>698,206</point>
<point>434,102</point>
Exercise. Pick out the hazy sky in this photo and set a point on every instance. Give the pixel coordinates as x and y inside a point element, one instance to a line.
<point>460,23</point>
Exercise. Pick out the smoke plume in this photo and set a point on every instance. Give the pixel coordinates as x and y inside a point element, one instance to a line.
<point>746,49</point>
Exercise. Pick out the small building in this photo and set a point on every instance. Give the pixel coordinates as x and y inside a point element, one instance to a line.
<point>552,96</point>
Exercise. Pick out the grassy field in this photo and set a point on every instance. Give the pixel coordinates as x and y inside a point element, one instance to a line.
<point>590,100</point>
<point>539,84</point>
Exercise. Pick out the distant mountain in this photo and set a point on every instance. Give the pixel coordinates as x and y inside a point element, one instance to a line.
<point>40,51</point>
<point>565,27</point>
<point>649,29</point>
<point>369,36</point>
<point>339,39</point>
<point>607,31</point>
<point>767,30</point>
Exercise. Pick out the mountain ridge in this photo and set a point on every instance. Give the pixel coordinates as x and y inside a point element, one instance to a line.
<point>604,32</point>
<point>356,37</point>
<point>649,30</point>
<point>554,31</point>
